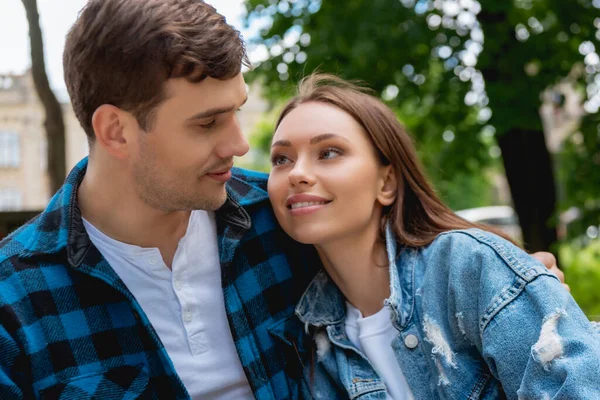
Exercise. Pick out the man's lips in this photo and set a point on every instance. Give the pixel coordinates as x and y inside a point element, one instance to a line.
<point>221,175</point>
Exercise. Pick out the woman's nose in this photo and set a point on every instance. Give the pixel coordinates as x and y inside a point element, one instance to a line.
<point>301,174</point>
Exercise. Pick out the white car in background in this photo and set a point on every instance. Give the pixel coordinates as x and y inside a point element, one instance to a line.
<point>505,218</point>
<point>502,217</point>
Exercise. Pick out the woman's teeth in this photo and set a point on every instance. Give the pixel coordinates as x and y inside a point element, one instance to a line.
<point>307,204</point>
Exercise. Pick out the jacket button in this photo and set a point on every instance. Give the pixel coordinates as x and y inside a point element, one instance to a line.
<point>411,341</point>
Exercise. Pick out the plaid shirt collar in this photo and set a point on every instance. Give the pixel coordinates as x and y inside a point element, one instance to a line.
<point>263,275</point>
<point>62,225</point>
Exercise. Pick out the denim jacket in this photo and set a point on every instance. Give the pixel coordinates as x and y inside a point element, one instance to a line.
<point>477,318</point>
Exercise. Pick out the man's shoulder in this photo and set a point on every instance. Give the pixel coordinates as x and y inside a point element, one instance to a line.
<point>17,244</point>
<point>248,187</point>
<point>254,178</point>
<point>42,238</point>
<point>23,270</point>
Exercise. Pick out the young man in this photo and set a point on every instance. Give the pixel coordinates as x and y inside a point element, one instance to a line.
<point>158,269</point>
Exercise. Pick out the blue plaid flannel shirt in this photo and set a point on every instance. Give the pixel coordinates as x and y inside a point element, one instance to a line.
<point>70,328</point>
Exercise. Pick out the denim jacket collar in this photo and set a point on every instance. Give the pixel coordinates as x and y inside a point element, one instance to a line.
<point>323,303</point>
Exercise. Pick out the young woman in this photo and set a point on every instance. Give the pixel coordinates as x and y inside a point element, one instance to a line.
<point>413,302</point>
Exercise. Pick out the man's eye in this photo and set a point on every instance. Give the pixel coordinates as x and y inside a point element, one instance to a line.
<point>209,125</point>
<point>331,152</point>
<point>279,159</point>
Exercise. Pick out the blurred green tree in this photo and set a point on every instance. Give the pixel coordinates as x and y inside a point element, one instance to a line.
<point>580,264</point>
<point>465,102</point>
<point>579,174</point>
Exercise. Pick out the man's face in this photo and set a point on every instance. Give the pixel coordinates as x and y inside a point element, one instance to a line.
<point>184,160</point>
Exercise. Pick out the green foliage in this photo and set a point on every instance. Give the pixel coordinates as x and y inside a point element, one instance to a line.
<point>260,142</point>
<point>580,174</point>
<point>465,190</point>
<point>377,41</point>
<point>261,137</point>
<point>582,273</point>
<point>415,54</point>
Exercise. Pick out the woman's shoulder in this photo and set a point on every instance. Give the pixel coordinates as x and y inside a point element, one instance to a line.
<point>476,274</point>
<point>476,249</point>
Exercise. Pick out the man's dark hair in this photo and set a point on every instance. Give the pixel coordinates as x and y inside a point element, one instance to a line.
<point>121,52</point>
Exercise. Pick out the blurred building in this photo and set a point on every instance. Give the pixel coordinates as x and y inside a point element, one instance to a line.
<point>561,114</point>
<point>23,145</point>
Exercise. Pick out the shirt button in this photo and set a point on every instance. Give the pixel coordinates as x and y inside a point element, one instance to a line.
<point>153,261</point>
<point>411,341</point>
<point>177,284</point>
<point>187,316</point>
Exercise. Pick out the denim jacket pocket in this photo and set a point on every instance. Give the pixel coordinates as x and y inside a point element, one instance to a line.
<point>120,383</point>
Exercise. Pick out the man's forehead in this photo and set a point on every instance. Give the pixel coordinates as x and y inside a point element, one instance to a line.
<point>235,83</point>
<point>210,92</point>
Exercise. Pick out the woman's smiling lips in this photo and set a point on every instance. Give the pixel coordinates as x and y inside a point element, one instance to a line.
<point>302,204</point>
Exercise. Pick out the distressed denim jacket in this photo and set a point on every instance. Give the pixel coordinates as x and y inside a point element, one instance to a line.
<point>477,318</point>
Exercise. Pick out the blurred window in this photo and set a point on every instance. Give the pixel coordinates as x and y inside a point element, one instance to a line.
<point>10,200</point>
<point>10,149</point>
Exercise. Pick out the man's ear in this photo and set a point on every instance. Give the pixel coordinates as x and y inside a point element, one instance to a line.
<point>109,124</point>
<point>389,186</point>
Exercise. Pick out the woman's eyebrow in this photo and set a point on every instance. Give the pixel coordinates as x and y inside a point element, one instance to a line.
<point>284,143</point>
<point>325,136</point>
<point>314,140</point>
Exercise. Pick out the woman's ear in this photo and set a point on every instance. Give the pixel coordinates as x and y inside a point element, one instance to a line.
<point>389,186</point>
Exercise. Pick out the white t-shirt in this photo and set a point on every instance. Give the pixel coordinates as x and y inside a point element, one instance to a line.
<point>373,335</point>
<point>185,305</point>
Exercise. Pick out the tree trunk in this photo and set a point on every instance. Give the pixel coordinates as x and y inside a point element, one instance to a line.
<point>53,123</point>
<point>530,176</point>
<point>515,101</point>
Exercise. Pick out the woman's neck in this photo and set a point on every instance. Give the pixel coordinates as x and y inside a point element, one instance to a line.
<point>359,267</point>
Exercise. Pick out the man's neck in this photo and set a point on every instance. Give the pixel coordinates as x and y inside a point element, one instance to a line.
<point>359,267</point>
<point>112,206</point>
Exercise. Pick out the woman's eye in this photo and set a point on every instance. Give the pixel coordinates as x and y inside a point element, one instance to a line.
<point>330,153</point>
<point>279,159</point>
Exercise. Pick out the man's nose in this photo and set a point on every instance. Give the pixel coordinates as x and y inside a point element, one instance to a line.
<point>235,143</point>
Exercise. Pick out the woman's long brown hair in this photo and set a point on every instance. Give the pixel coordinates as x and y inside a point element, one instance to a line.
<point>417,215</point>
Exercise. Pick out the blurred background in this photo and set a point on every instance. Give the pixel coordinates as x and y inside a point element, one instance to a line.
<point>501,98</point>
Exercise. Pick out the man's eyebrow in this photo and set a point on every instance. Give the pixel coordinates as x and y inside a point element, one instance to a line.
<point>216,111</point>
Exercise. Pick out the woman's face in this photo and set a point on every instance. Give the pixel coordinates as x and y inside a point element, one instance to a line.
<point>326,183</point>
